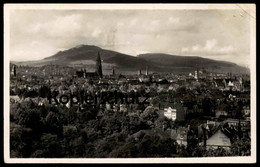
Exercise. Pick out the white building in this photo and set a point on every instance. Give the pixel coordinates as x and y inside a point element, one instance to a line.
<point>230,84</point>
<point>170,113</point>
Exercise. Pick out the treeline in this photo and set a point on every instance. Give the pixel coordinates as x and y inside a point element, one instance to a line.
<point>48,131</point>
<point>53,132</point>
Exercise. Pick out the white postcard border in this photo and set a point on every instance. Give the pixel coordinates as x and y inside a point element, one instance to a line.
<point>249,8</point>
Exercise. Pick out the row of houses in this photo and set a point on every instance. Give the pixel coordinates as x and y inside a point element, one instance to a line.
<point>211,134</point>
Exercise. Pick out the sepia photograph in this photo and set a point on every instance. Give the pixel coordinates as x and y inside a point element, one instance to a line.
<point>134,83</point>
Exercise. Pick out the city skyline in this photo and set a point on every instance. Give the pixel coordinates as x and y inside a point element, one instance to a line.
<point>109,83</point>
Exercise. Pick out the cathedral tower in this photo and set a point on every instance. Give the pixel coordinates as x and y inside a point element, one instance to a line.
<point>99,66</point>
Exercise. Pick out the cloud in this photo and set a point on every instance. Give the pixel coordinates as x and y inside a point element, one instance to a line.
<point>211,48</point>
<point>196,47</point>
<point>59,26</point>
<point>120,24</point>
<point>227,49</point>
<point>133,22</point>
<point>173,20</point>
<point>96,32</point>
<point>210,44</point>
<point>157,36</point>
<point>154,22</point>
<point>33,52</point>
<point>185,49</point>
<point>35,43</point>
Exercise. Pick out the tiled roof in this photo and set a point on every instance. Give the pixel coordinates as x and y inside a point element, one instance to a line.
<point>219,139</point>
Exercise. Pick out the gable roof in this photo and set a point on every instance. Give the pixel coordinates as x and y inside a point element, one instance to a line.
<point>219,139</point>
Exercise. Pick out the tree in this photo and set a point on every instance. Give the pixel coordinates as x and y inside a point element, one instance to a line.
<point>53,124</point>
<point>207,106</point>
<point>241,147</point>
<point>20,141</point>
<point>30,118</point>
<point>181,91</point>
<point>44,91</point>
<point>48,147</point>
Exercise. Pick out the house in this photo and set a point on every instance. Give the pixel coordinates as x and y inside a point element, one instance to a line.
<point>179,134</point>
<point>84,74</point>
<point>230,83</point>
<point>242,97</point>
<point>174,111</point>
<point>221,113</point>
<point>145,79</point>
<point>108,106</point>
<point>246,112</point>
<point>219,83</point>
<point>170,113</point>
<point>210,128</point>
<point>14,99</point>
<point>172,133</point>
<point>219,139</point>
<point>122,108</point>
<point>237,85</point>
<point>173,87</point>
<point>181,138</point>
<point>235,122</point>
<point>122,80</point>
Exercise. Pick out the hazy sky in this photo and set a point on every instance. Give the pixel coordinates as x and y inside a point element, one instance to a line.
<point>215,34</point>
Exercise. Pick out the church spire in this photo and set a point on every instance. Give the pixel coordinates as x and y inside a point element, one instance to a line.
<point>113,71</point>
<point>99,66</point>
<point>146,72</point>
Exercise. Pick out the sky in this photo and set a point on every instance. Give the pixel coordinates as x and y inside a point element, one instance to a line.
<point>215,34</point>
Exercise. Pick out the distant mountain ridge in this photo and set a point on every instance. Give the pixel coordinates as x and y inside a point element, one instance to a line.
<point>189,61</point>
<point>85,56</point>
